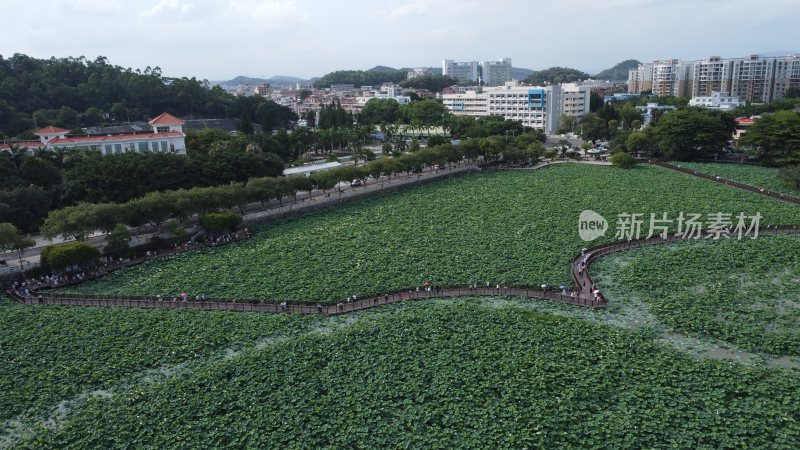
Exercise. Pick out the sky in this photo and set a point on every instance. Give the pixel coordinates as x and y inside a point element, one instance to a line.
<point>218,40</point>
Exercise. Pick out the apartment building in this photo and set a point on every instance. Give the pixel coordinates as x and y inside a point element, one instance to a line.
<point>496,73</point>
<point>711,75</point>
<point>754,79</point>
<point>538,107</point>
<point>640,79</point>
<point>671,77</point>
<point>461,71</point>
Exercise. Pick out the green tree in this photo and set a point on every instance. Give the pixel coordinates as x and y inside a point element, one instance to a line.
<point>220,222</point>
<point>61,256</point>
<point>40,172</point>
<point>379,111</point>
<point>593,128</point>
<point>623,160</point>
<point>556,75</point>
<point>688,134</point>
<point>118,242</point>
<point>775,138</point>
<point>433,83</point>
<point>638,142</point>
<point>790,175</point>
<point>25,207</point>
<point>75,222</point>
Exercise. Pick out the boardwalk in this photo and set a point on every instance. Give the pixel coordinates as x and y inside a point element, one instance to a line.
<point>584,294</point>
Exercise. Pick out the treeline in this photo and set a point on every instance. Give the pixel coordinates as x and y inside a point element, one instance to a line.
<point>692,133</point>
<point>433,83</point>
<point>31,185</point>
<point>157,208</point>
<point>77,92</point>
<point>359,78</point>
<point>556,75</point>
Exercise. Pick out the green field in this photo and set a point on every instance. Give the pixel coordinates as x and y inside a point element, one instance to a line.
<point>49,354</point>
<point>762,177</point>
<point>503,227</point>
<point>653,370</point>
<point>745,293</point>
<point>450,374</point>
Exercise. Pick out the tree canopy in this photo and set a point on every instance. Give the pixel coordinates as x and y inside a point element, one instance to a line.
<point>555,75</point>
<point>359,78</point>
<point>692,133</point>
<point>775,138</point>
<point>433,83</point>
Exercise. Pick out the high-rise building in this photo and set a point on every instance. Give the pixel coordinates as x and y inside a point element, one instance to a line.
<point>461,71</point>
<point>496,73</point>
<point>671,77</point>
<point>640,79</point>
<point>754,79</point>
<point>710,75</point>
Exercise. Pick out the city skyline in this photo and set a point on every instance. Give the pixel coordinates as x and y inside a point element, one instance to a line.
<point>218,40</point>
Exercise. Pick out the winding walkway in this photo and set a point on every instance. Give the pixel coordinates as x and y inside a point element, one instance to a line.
<point>586,294</point>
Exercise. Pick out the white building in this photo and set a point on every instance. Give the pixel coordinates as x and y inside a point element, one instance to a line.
<point>310,169</point>
<point>166,137</point>
<point>647,111</point>
<point>575,99</point>
<point>717,100</point>
<point>496,73</point>
<point>533,106</point>
<point>461,71</point>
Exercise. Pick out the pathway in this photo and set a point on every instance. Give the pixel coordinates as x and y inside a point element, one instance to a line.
<point>585,294</point>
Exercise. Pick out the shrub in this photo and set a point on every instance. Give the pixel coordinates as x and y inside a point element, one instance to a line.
<point>220,221</point>
<point>623,160</point>
<point>61,256</point>
<point>790,176</point>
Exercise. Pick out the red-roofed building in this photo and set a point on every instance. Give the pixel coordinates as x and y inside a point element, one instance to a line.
<point>167,120</point>
<point>166,137</point>
<point>28,145</point>
<point>742,125</point>
<point>47,134</point>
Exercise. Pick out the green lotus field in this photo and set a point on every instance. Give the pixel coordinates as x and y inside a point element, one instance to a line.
<point>762,177</point>
<point>507,228</point>
<point>697,349</point>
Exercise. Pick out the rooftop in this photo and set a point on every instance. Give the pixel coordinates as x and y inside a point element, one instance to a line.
<point>166,119</point>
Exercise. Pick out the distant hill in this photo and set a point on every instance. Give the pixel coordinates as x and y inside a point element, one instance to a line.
<point>519,73</point>
<point>555,75</point>
<point>277,80</point>
<point>618,72</point>
<point>382,69</point>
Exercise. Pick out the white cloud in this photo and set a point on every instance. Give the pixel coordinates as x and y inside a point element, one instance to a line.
<point>170,7</point>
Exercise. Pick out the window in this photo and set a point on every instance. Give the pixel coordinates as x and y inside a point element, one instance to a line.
<point>154,146</point>
<point>142,147</point>
<point>164,146</point>
<point>162,129</point>
<point>108,149</point>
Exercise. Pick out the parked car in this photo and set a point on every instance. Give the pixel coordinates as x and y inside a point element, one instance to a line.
<point>355,183</point>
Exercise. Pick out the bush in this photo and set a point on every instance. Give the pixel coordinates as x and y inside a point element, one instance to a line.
<point>623,160</point>
<point>790,176</point>
<point>220,221</point>
<point>61,256</point>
